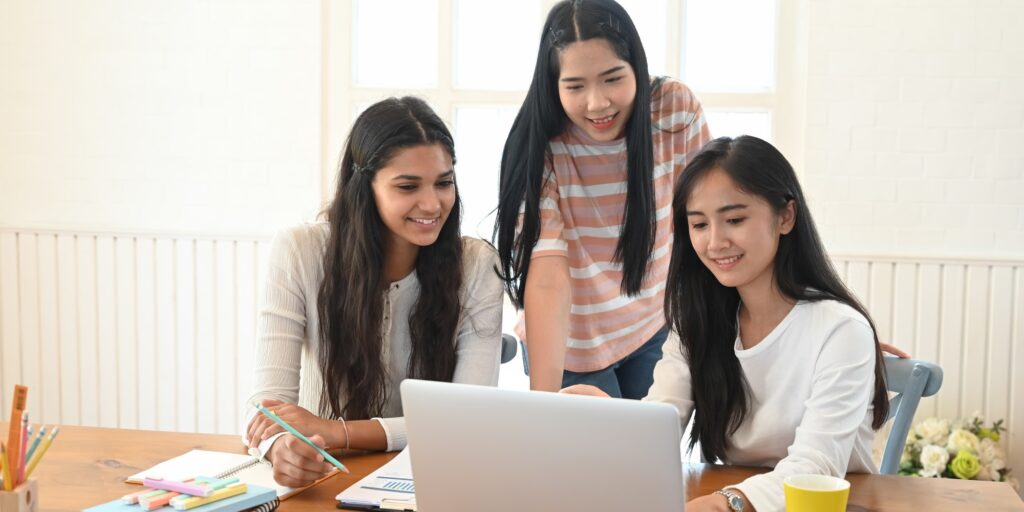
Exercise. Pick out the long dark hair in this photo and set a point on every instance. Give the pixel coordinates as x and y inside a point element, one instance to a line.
<point>703,311</point>
<point>542,117</point>
<point>351,297</point>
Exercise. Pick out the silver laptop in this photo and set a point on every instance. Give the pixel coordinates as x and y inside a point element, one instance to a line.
<point>478,448</point>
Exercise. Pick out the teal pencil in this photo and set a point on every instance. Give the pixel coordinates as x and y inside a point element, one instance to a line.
<point>35,443</point>
<point>296,433</point>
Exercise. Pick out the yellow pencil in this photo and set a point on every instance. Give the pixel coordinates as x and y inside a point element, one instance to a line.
<point>3,462</point>
<point>36,457</point>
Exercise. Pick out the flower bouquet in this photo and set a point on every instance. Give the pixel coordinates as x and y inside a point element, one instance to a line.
<point>965,449</point>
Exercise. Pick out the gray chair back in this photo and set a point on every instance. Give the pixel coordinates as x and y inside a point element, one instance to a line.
<point>910,379</point>
<point>508,348</point>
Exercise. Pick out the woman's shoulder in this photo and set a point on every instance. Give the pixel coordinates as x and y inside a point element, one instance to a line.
<point>477,253</point>
<point>673,105</point>
<point>299,241</point>
<point>479,260</point>
<point>837,321</point>
<point>835,312</point>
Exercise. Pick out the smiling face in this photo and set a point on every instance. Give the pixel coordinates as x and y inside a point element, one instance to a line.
<point>735,234</point>
<point>596,88</point>
<point>415,192</point>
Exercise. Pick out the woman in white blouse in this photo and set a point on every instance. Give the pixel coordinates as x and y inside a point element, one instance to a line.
<point>774,358</point>
<point>385,289</point>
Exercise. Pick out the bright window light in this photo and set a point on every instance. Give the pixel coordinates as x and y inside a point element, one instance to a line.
<point>479,64</point>
<point>480,133</point>
<point>732,123</point>
<point>395,51</point>
<point>729,45</point>
<point>650,20</point>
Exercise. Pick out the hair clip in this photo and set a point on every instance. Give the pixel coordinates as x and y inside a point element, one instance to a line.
<point>356,168</point>
<point>612,25</point>
<point>554,36</point>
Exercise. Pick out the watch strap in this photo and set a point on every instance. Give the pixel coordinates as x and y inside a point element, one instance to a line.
<point>734,500</point>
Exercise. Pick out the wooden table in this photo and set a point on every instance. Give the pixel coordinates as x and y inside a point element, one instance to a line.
<point>87,466</point>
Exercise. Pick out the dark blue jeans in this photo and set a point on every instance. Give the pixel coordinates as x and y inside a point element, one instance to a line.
<point>629,378</point>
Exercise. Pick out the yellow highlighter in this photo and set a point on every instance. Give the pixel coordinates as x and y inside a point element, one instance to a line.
<point>220,494</point>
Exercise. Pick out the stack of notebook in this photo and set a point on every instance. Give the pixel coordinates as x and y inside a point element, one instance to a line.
<point>244,483</point>
<point>242,497</point>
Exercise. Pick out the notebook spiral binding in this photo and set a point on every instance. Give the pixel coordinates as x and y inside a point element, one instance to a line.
<point>247,464</point>
<point>266,507</point>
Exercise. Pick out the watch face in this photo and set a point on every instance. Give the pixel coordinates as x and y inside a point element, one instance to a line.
<point>736,503</point>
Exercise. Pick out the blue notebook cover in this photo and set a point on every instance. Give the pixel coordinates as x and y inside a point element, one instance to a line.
<point>253,497</point>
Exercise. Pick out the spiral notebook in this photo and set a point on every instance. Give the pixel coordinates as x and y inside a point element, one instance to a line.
<point>195,463</point>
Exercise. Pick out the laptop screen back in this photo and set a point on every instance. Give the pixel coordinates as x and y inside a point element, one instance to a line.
<point>483,448</point>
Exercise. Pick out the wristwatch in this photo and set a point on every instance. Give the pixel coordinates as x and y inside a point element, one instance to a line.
<point>735,501</point>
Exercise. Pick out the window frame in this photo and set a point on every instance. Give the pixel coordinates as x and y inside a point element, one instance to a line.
<point>341,97</point>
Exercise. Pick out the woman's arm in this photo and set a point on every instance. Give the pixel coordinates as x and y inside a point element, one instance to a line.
<point>548,302</point>
<point>478,342</point>
<point>672,382</point>
<point>280,331</point>
<point>836,410</point>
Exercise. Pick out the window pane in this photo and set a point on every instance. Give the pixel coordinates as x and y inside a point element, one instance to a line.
<point>394,51</point>
<point>731,123</point>
<point>478,62</point>
<point>480,133</point>
<point>650,20</point>
<point>729,45</point>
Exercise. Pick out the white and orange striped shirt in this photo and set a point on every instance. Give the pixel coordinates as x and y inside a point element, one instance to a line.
<point>581,214</point>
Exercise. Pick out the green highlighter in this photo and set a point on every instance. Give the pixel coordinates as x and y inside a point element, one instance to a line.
<point>270,414</point>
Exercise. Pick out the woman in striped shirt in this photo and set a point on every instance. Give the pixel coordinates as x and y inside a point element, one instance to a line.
<point>584,226</point>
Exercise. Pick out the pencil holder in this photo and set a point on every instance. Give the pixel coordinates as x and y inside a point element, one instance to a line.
<point>24,498</point>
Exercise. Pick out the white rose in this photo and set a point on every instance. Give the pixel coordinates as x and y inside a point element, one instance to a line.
<point>986,474</point>
<point>961,439</point>
<point>988,451</point>
<point>932,431</point>
<point>933,460</point>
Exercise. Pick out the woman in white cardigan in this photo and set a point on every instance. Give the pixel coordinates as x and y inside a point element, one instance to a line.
<point>774,358</point>
<point>385,289</point>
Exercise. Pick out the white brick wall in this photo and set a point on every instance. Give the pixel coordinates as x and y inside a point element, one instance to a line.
<point>140,115</point>
<point>915,126</point>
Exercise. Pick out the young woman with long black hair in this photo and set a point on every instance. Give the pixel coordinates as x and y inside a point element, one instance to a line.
<point>385,289</point>
<point>774,358</point>
<point>583,222</point>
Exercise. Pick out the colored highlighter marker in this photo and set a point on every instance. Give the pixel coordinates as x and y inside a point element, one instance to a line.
<point>270,414</point>
<point>195,501</point>
<point>155,502</point>
<point>190,488</point>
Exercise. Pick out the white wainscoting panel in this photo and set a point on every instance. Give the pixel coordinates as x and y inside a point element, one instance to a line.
<point>131,331</point>
<point>966,315</point>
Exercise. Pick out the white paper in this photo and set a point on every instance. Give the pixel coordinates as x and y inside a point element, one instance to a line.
<point>390,485</point>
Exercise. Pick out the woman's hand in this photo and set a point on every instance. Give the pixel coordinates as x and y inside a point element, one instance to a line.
<point>296,464</point>
<point>717,503</point>
<point>891,349</point>
<point>708,503</point>
<point>309,424</point>
<point>584,389</point>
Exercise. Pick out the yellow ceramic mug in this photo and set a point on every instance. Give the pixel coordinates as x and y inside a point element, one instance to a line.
<point>816,493</point>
